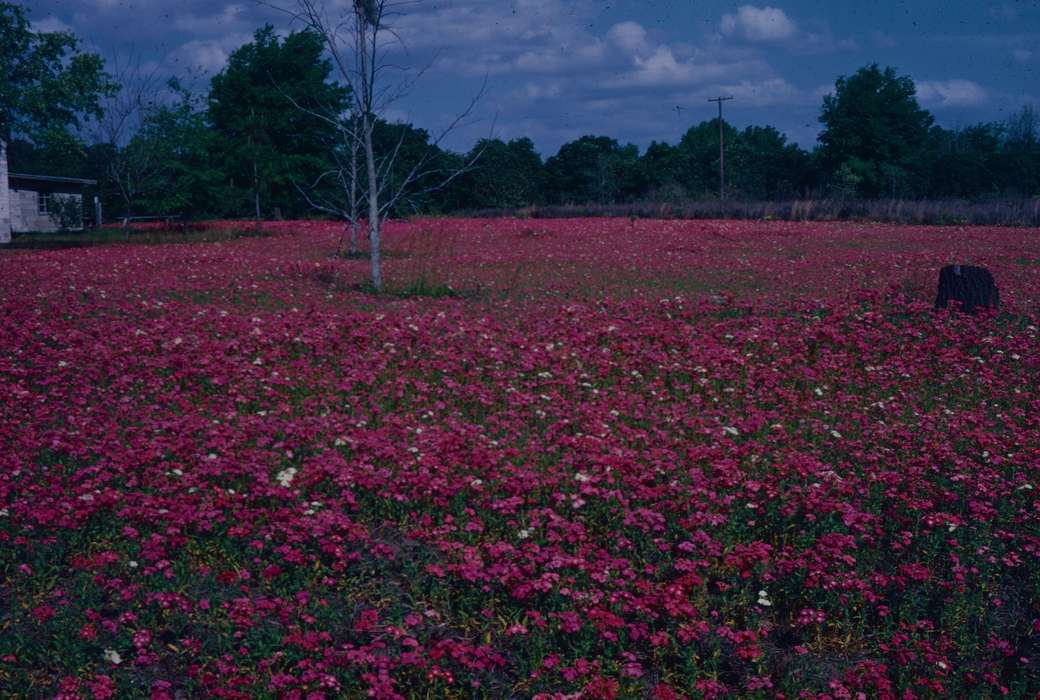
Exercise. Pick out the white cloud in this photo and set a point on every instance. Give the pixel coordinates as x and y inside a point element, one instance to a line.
<point>765,93</point>
<point>206,55</point>
<point>759,25</point>
<point>951,93</point>
<point>50,24</point>
<point>629,36</point>
<point>1022,55</point>
<point>210,24</point>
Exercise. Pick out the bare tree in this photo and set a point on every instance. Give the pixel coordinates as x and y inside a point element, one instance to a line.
<point>356,39</point>
<point>338,191</point>
<point>141,91</point>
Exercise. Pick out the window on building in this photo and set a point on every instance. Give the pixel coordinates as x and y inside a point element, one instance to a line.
<point>44,204</point>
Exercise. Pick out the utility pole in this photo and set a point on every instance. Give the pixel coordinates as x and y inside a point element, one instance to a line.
<point>722,148</point>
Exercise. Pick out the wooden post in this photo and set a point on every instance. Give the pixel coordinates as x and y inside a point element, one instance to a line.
<point>722,148</point>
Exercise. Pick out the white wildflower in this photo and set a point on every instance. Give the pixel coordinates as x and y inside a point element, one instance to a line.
<point>729,429</point>
<point>112,656</point>
<point>286,476</point>
<point>763,599</point>
<point>582,477</point>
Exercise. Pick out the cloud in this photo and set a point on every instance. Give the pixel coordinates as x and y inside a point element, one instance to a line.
<point>218,23</point>
<point>629,36</point>
<point>207,56</point>
<point>766,93</point>
<point>951,93</point>
<point>1022,55</point>
<point>883,40</point>
<point>50,24</point>
<point>758,25</point>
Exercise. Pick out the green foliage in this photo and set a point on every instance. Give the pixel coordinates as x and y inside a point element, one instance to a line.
<point>663,172</point>
<point>54,152</point>
<point>401,150</point>
<point>264,106</point>
<point>965,163</point>
<point>507,175</point>
<point>186,179</point>
<point>873,124</point>
<point>46,83</point>
<point>1021,152</point>
<point>761,164</point>
<point>699,153</point>
<point>67,211</point>
<point>593,169</point>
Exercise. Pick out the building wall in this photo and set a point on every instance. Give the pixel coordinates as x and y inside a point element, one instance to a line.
<point>25,212</point>
<point>5,199</point>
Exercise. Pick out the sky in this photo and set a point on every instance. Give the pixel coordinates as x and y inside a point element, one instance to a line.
<point>635,70</point>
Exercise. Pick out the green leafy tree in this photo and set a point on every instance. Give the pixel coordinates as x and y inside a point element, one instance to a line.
<point>699,153</point>
<point>761,164</point>
<point>874,126</point>
<point>508,175</point>
<point>267,106</point>
<point>46,85</point>
<point>1021,152</point>
<point>964,162</point>
<point>51,152</point>
<point>594,169</point>
<point>46,82</point>
<point>663,172</point>
<point>412,149</point>
<point>186,180</point>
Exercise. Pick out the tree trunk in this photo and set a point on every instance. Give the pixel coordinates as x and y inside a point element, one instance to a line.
<point>374,224</point>
<point>256,195</point>
<point>353,192</point>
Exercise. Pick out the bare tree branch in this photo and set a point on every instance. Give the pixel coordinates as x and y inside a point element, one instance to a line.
<point>356,39</point>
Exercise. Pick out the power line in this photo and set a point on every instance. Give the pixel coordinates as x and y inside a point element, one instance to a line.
<point>722,147</point>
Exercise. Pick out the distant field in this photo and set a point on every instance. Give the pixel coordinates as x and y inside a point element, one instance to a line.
<point>582,458</point>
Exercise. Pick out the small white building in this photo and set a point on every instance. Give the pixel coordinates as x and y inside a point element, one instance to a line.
<point>31,203</point>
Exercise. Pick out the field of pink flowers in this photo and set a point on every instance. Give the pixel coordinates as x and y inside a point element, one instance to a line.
<point>561,459</point>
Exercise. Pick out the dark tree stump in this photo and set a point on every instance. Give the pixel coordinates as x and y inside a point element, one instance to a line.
<point>972,286</point>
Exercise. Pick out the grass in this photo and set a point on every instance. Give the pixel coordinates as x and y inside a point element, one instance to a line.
<point>114,236</point>
<point>1001,212</point>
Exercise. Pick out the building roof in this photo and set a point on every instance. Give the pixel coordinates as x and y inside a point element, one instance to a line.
<point>51,178</point>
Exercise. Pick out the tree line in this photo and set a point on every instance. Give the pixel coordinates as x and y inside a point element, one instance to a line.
<point>267,139</point>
